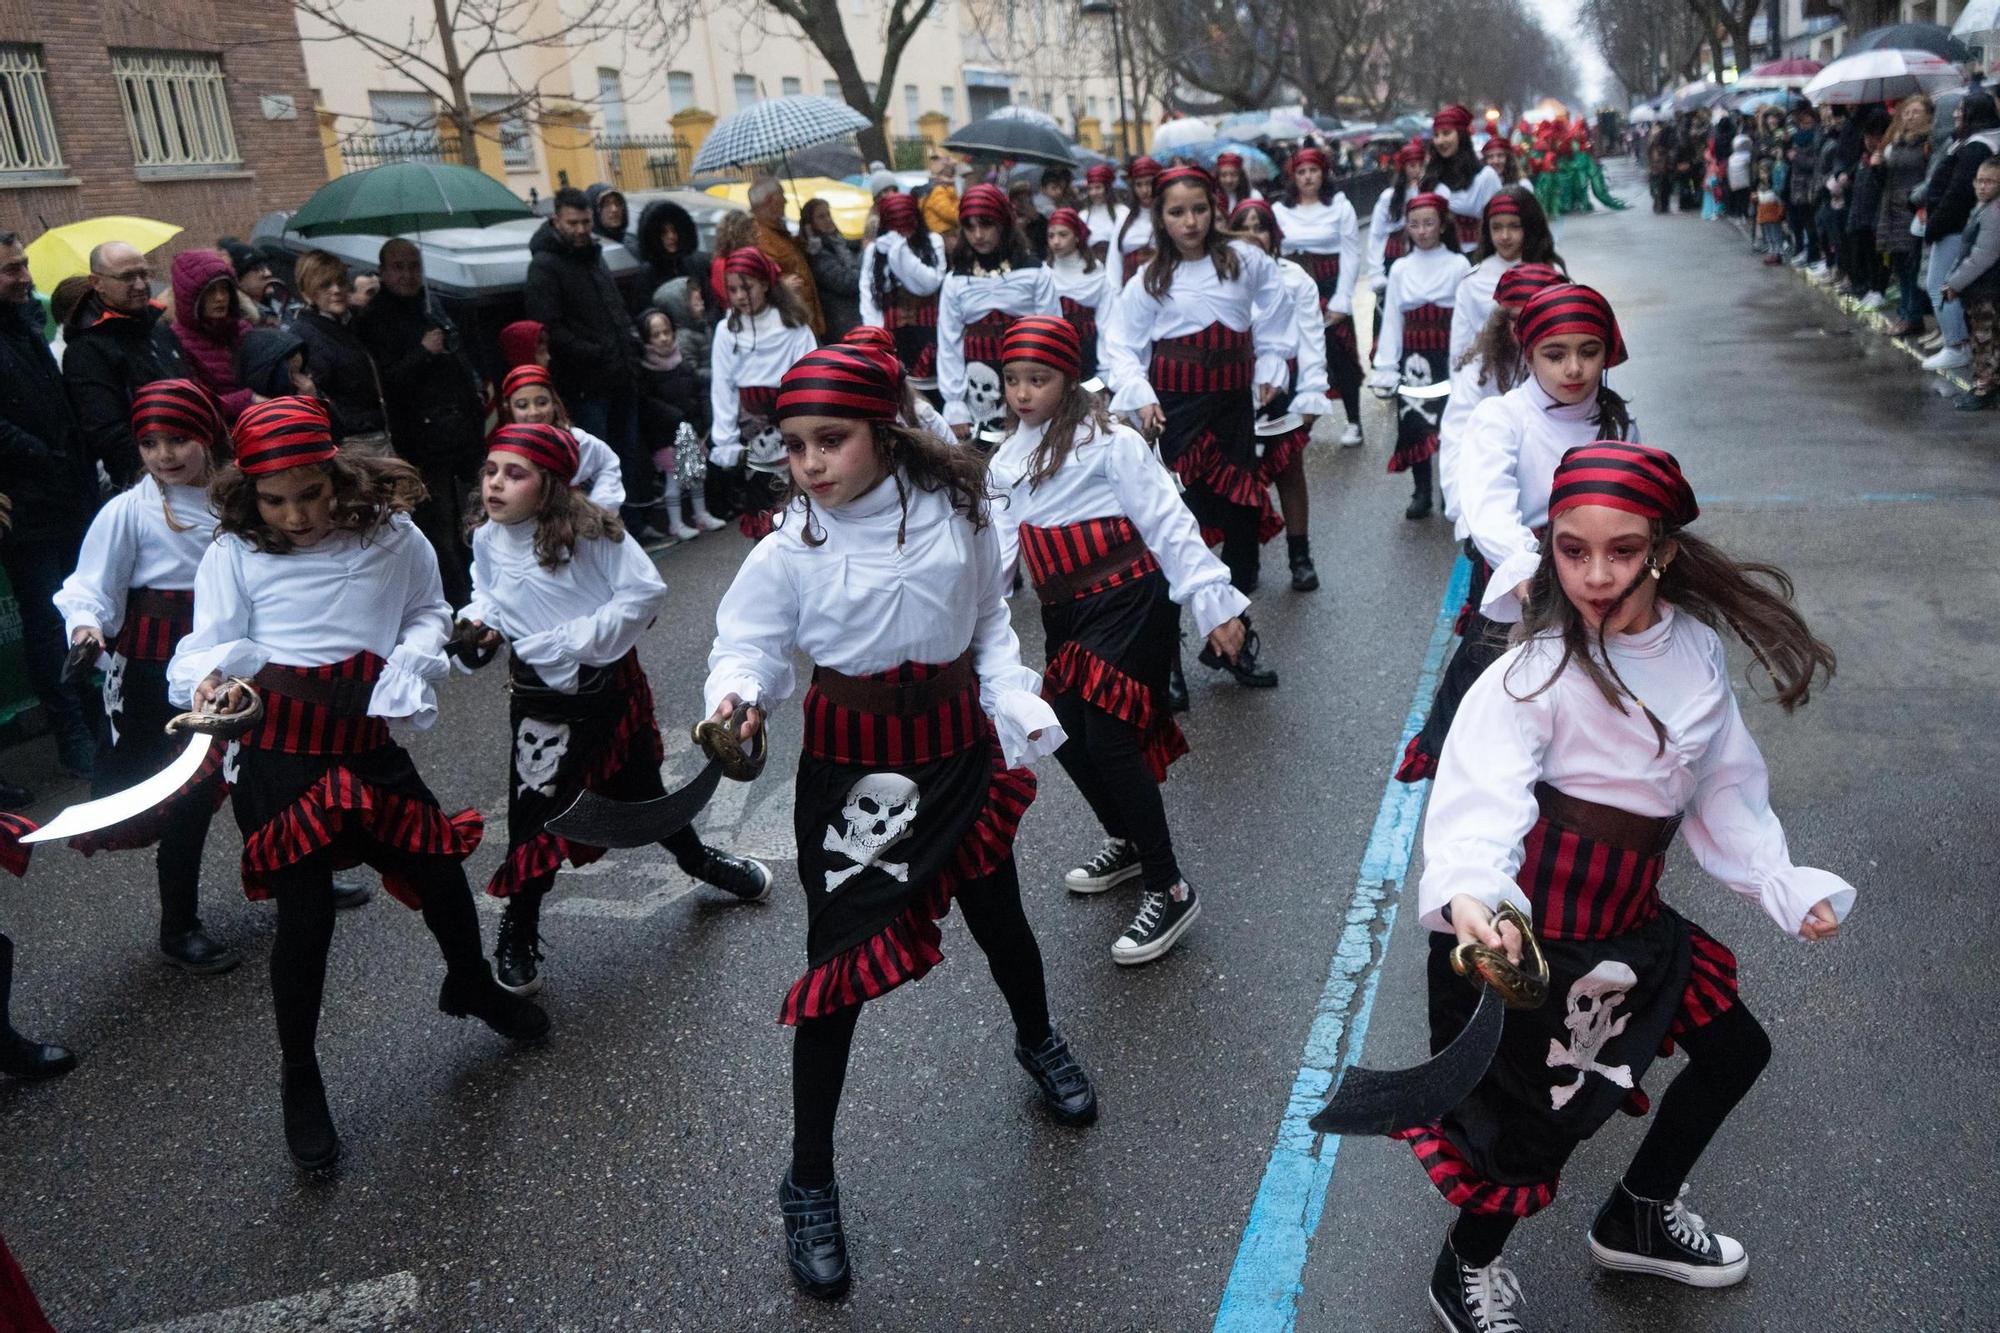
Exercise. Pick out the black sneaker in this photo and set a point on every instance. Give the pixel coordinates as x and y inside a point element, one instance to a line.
<point>1420,506</point>
<point>1304,577</point>
<point>1066,1091</point>
<point>1163,918</point>
<point>351,889</point>
<point>518,951</point>
<point>1474,1300</point>
<point>747,879</point>
<point>815,1241</point>
<point>309,1132</point>
<point>193,951</point>
<point>1664,1239</point>
<point>1115,862</point>
<point>27,1059</point>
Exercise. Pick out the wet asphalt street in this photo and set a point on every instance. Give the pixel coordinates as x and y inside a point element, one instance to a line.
<point>623,1176</point>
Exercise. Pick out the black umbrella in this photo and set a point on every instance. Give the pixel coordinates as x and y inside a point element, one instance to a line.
<point>1932,37</point>
<point>1007,136</point>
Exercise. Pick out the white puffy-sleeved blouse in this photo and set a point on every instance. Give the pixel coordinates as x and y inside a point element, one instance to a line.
<point>598,472</point>
<point>1421,277</point>
<point>130,545</point>
<point>1107,476</point>
<point>917,278</point>
<point>1483,802</point>
<point>862,603</point>
<point>588,612</point>
<point>1254,300</point>
<point>1309,388</point>
<point>759,353</point>
<point>1325,229</point>
<point>323,605</point>
<point>967,299</point>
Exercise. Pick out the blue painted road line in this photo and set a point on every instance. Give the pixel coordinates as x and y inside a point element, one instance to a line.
<point>1264,1284</point>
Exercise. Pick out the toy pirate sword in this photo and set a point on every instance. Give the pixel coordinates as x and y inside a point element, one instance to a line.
<point>1377,1101</point>
<point>206,725</point>
<point>598,821</point>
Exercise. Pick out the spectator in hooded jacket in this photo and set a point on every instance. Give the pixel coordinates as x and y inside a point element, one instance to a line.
<point>522,343</point>
<point>116,341</point>
<point>669,247</point>
<point>836,267</point>
<point>611,216</point>
<point>209,325</point>
<point>686,304</point>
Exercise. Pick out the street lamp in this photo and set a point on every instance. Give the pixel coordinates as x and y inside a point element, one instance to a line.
<point>1108,8</point>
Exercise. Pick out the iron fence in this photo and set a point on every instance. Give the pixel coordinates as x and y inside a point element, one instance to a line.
<point>909,153</point>
<point>643,161</point>
<point>361,151</point>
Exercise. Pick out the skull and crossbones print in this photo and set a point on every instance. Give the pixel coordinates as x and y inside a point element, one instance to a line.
<point>1417,375</point>
<point>539,748</point>
<point>982,393</point>
<point>877,814</point>
<point>114,692</point>
<point>1590,1024</point>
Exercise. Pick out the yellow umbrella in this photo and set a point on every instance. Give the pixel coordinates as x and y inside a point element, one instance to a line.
<point>64,251</point>
<point>849,204</point>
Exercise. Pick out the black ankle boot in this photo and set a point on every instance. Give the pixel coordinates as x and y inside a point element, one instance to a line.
<point>1304,577</point>
<point>1245,668</point>
<point>1420,505</point>
<point>475,994</point>
<point>815,1241</point>
<point>1177,690</point>
<point>195,951</point>
<point>517,954</point>
<point>309,1132</point>
<point>22,1057</point>
<point>1066,1091</point>
<point>742,876</point>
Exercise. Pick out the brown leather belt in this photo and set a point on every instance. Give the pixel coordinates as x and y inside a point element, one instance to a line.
<point>1059,587</point>
<point>1214,358</point>
<point>159,604</point>
<point>910,698</point>
<point>347,696</point>
<point>1645,834</point>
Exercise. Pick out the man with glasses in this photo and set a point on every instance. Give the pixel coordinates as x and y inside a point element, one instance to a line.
<point>43,475</point>
<point>116,342</point>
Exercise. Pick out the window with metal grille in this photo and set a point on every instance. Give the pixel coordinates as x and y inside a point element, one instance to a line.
<point>176,108</point>
<point>504,116</point>
<point>680,90</point>
<point>790,87</point>
<point>27,130</point>
<point>746,92</point>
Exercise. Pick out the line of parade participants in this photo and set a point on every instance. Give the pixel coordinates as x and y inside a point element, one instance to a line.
<point>1088,427</point>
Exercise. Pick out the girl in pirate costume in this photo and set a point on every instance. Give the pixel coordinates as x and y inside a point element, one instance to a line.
<point>884,568</point>
<point>132,596</point>
<point>1136,235</point>
<point>993,279</point>
<point>1198,343</point>
<point>1084,286</point>
<point>1507,454</point>
<point>321,590</point>
<point>556,577</point>
<point>1608,725</point>
<point>1113,554</point>
<point>1413,349</point>
<point>1323,236</point>
<point>1454,171</point>
<point>528,397</point>
<point>917,413</point>
<point>766,332</point>
<point>1103,215</point>
<point>1234,183</point>
<point>1304,402</point>
<point>1387,239</point>
<point>900,277</point>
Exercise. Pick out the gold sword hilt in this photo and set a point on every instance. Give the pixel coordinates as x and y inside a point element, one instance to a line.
<point>722,742</point>
<point>1522,985</point>
<point>210,720</point>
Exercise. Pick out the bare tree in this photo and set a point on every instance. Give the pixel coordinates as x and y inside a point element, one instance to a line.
<point>1730,20</point>
<point>1232,52</point>
<point>1646,43</point>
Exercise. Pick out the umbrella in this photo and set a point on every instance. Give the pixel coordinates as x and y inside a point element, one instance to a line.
<point>1178,134</point>
<point>400,197</point>
<point>774,127</point>
<point>1022,111</point>
<point>849,204</point>
<point>1643,115</point>
<point>838,160</point>
<point>1933,38</point>
<point>1086,157</point>
<point>1012,137</point>
<point>1791,73</point>
<point>1257,163</point>
<point>1979,16</point>
<point>1882,76</point>
<point>1241,125</point>
<point>63,252</point>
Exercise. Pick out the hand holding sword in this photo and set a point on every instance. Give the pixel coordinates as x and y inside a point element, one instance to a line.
<point>732,739</point>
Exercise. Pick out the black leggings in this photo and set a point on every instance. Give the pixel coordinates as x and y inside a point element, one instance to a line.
<point>178,859</point>
<point>992,909</point>
<point>1724,1059</point>
<point>1420,477</point>
<point>305,932</point>
<point>1104,758</point>
<point>1241,551</point>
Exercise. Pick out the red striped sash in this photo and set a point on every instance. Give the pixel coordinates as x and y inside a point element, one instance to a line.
<point>1081,546</point>
<point>1218,358</point>
<point>1395,247</point>
<point>1325,271</point>
<point>911,312</point>
<point>1082,318</point>
<point>295,726</point>
<point>850,736</point>
<point>155,620</point>
<point>1427,328</point>
<point>984,336</point>
<point>1585,889</point>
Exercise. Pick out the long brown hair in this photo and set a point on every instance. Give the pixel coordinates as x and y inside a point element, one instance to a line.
<point>1497,351</point>
<point>790,309</point>
<point>929,464</point>
<point>1078,408</point>
<point>563,517</point>
<point>367,493</point>
<point>1753,600</point>
<point>1167,255</point>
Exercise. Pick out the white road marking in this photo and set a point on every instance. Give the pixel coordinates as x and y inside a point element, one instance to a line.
<point>356,1307</point>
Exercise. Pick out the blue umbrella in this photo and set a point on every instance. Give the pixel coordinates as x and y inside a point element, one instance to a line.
<point>1257,163</point>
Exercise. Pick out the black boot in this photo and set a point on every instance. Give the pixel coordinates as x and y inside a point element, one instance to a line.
<point>1244,668</point>
<point>1420,502</point>
<point>309,1132</point>
<point>742,876</point>
<point>518,952</point>
<point>815,1241</point>
<point>470,994</point>
<point>1177,691</point>
<point>1066,1091</point>
<point>194,951</point>
<point>23,1057</point>
<point>1304,577</point>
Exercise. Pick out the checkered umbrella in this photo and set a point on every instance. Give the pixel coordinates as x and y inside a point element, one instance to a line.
<point>775,127</point>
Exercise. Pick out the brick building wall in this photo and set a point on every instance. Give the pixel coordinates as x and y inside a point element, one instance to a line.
<point>257,41</point>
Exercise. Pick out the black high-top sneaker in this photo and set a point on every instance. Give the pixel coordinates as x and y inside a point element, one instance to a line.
<point>309,1132</point>
<point>1304,577</point>
<point>1161,921</point>
<point>1664,1239</point>
<point>475,994</point>
<point>1116,862</point>
<point>518,953</point>
<point>739,875</point>
<point>815,1241</point>
<point>1066,1091</point>
<point>1474,1300</point>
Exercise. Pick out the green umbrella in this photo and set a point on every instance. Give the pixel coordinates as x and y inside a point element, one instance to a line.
<point>402,197</point>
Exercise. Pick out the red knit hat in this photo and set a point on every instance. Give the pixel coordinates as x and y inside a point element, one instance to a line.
<point>179,408</point>
<point>283,433</point>
<point>1522,281</point>
<point>1264,214</point>
<point>519,378</point>
<point>1050,340</point>
<point>518,341</point>
<point>898,212</point>
<point>1631,477</point>
<point>1453,117</point>
<point>1309,157</point>
<point>1503,205</point>
<point>1570,308</point>
<point>550,448</point>
<point>1069,217</point>
<point>988,202</point>
<point>843,380</point>
<point>749,262</point>
<point>1101,173</point>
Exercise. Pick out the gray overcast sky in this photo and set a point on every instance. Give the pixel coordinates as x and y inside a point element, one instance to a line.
<point>1560,18</point>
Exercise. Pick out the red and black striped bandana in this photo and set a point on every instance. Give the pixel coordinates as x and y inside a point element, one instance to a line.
<point>1047,339</point>
<point>1632,477</point>
<point>855,383</point>
<point>550,448</point>
<point>1571,308</point>
<point>1522,281</point>
<point>179,408</point>
<point>988,202</point>
<point>283,433</point>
